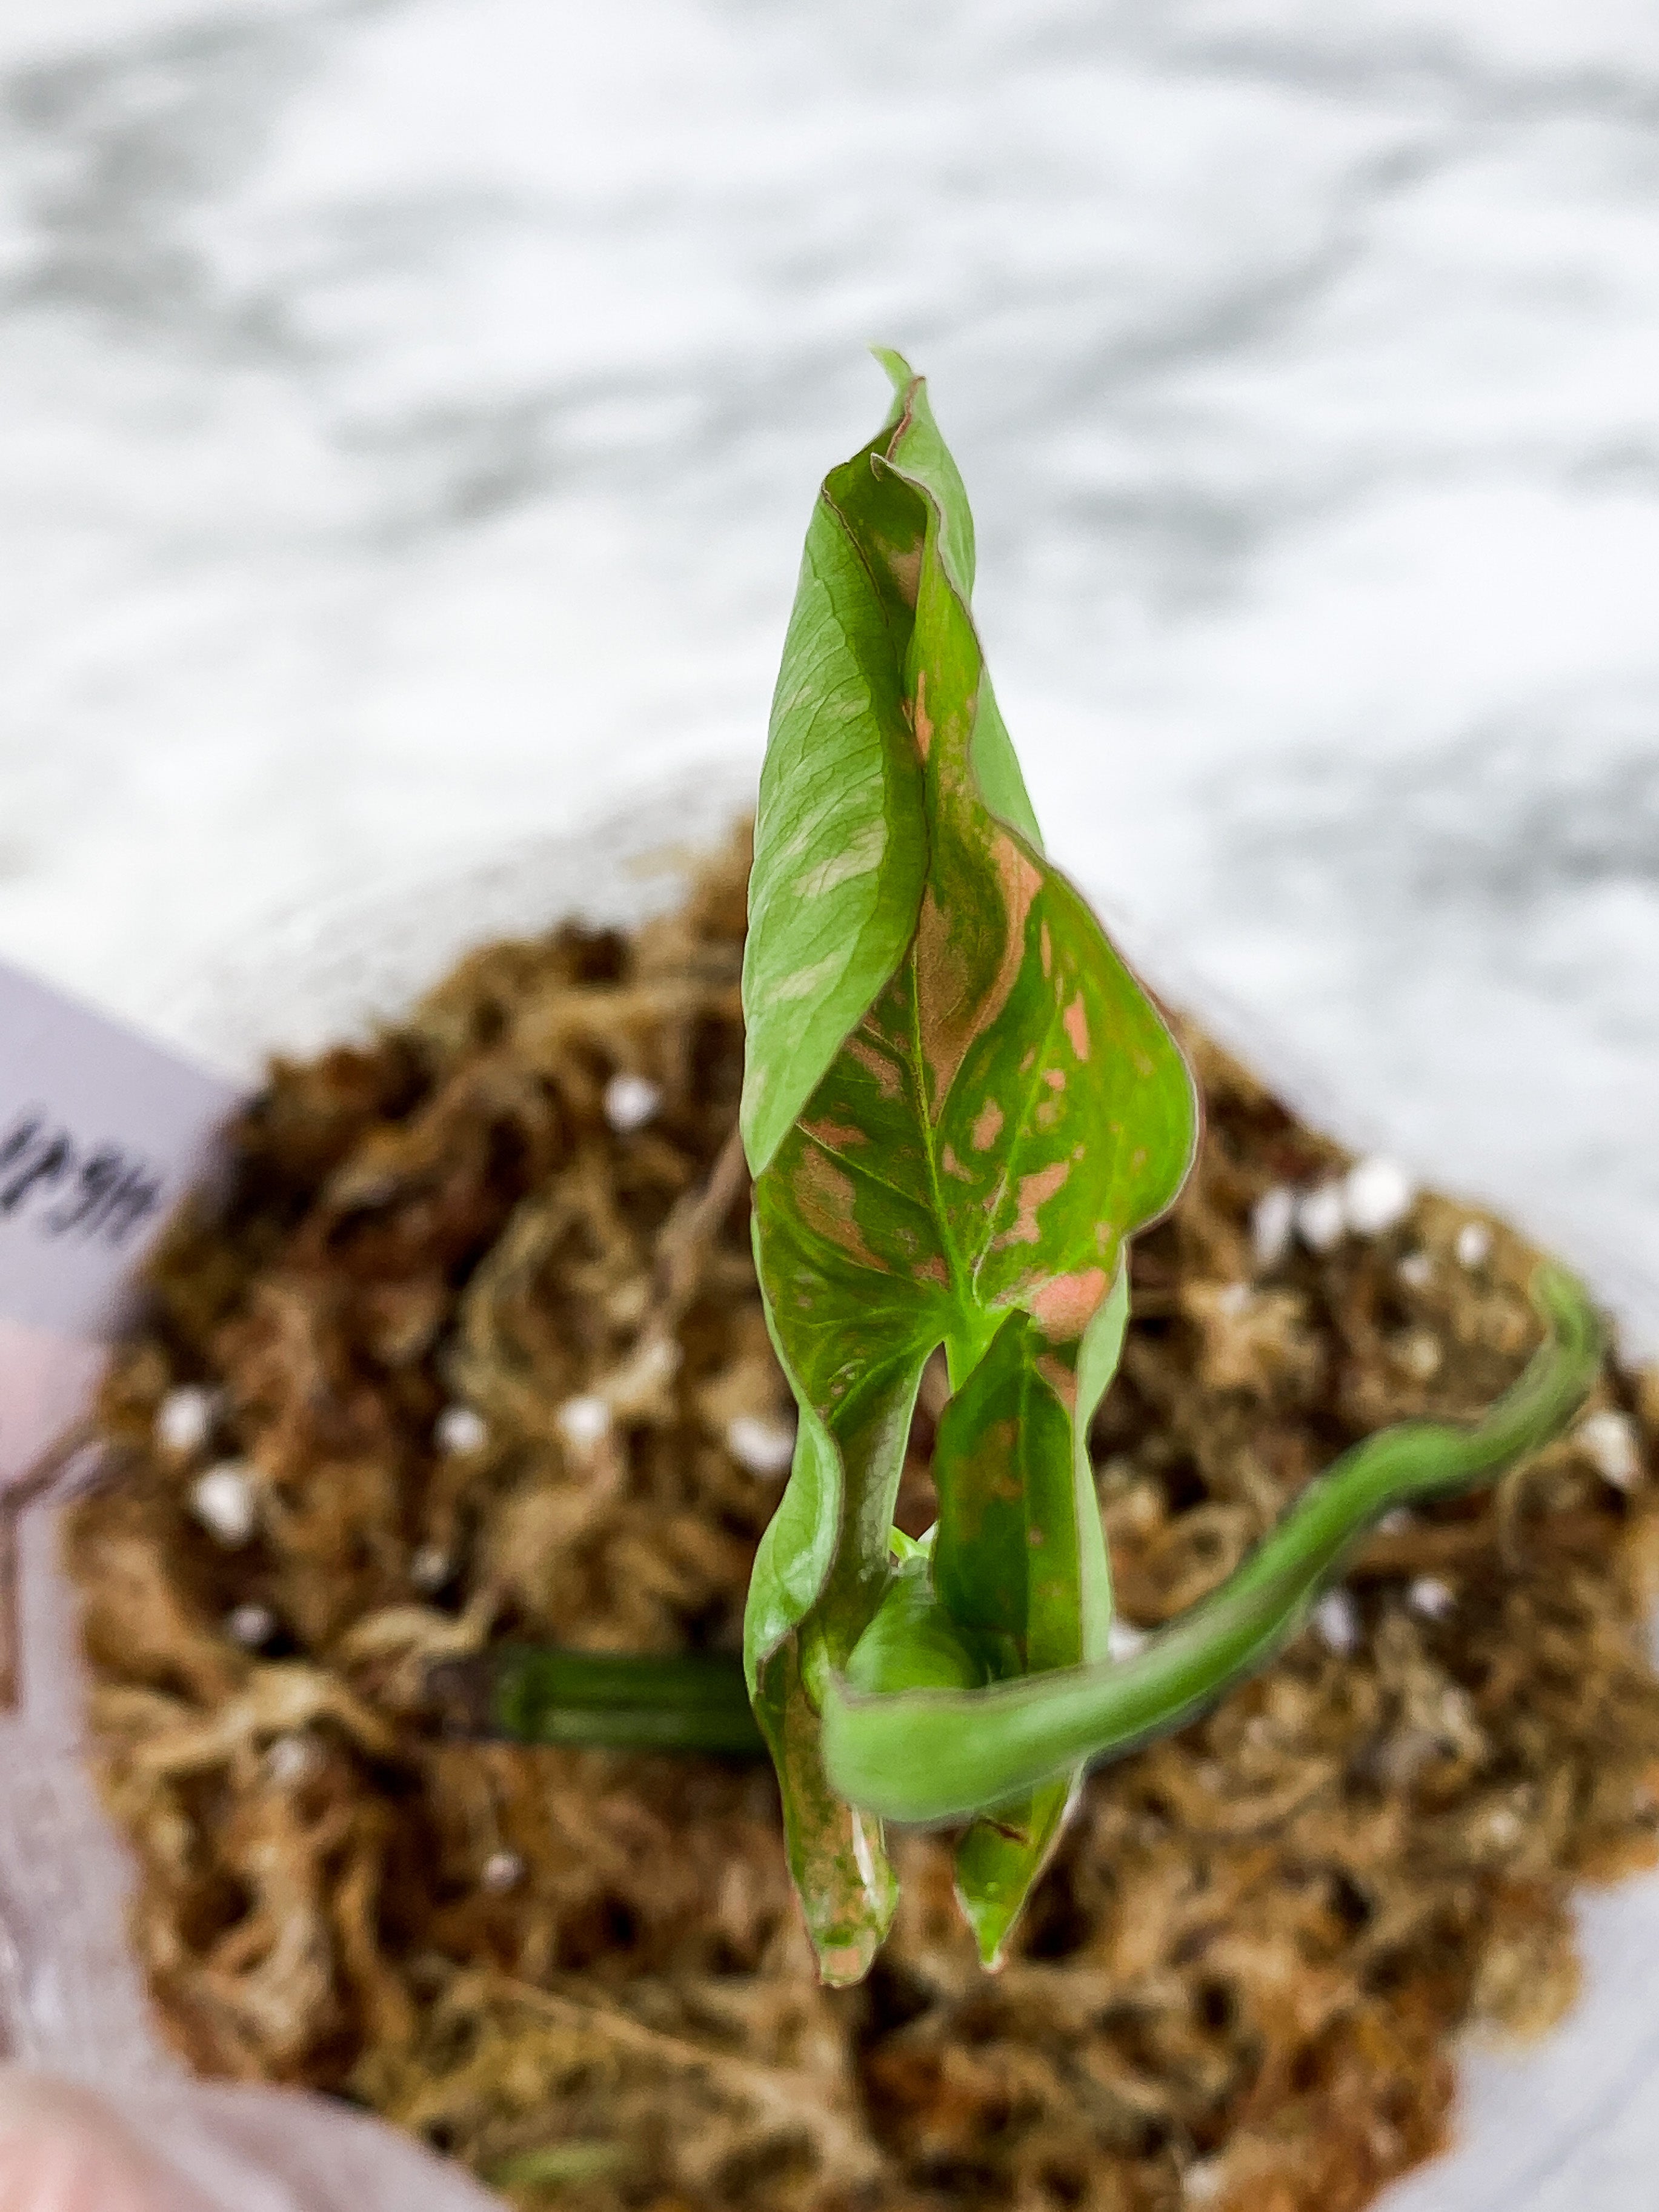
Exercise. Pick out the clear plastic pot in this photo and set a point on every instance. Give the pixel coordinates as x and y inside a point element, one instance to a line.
<point>71,2003</point>
<point>1573,2122</point>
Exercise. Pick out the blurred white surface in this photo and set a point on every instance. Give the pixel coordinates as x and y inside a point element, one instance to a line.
<point>409,411</point>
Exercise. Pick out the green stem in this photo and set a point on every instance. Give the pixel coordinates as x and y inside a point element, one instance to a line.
<point>557,2166</point>
<point>930,1755</point>
<point>615,1701</point>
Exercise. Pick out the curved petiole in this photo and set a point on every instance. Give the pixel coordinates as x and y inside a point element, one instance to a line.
<point>943,1755</point>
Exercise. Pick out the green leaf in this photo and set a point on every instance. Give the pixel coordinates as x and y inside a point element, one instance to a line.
<point>913,1642</point>
<point>818,1574</point>
<point>1020,1561</point>
<point>935,1754</point>
<point>959,1103</point>
<point>839,844</point>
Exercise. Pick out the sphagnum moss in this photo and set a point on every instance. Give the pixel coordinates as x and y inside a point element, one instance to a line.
<point>1240,1975</point>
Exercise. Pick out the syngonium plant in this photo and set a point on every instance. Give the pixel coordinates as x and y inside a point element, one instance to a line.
<point>959,1105</point>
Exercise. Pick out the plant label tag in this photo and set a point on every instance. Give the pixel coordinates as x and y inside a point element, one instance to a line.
<point>101,1132</point>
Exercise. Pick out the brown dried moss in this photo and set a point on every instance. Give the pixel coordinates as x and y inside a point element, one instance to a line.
<point>1238,1983</point>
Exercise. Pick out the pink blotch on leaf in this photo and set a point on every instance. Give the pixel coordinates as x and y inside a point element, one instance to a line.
<point>835,1136</point>
<point>888,1079</point>
<point>826,1199</point>
<point>1076,1020</point>
<point>1065,1306</point>
<point>987,1125</point>
<point>920,722</point>
<point>1035,1190</point>
<point>954,1004</point>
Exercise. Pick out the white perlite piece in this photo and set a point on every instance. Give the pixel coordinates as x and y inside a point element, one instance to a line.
<point>1336,1618</point>
<point>185,1418</point>
<point>458,1429</point>
<point>764,1447</point>
<point>227,1504</point>
<point>292,1759</point>
<point>501,1871</point>
<point>1273,1224</point>
<point>1321,1217</point>
<point>252,1626</point>
<point>430,1568</point>
<point>631,1101</point>
<point>1610,1439</point>
<point>1431,1597</point>
<point>583,1421</point>
<point>1416,1271</point>
<point>1376,1194</point>
<point>1420,1353</point>
<point>1123,1639</point>
<point>1472,1244</point>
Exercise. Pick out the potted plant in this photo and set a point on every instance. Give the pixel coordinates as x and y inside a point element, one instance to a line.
<point>465,1396</point>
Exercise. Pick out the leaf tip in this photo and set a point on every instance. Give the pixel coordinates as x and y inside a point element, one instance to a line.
<point>900,374</point>
<point>844,1965</point>
<point>991,1917</point>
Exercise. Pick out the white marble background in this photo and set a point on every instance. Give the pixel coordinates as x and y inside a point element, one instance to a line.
<point>410,409</point>
<point>408,414</point>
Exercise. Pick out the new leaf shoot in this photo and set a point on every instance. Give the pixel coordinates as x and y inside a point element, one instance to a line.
<point>959,1105</point>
